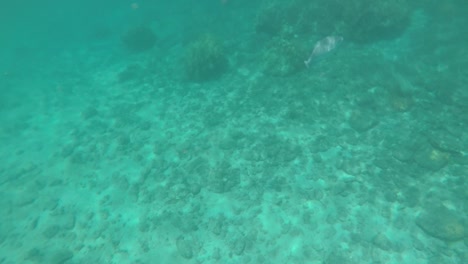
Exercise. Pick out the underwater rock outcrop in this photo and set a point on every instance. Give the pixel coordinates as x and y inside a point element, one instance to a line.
<point>442,223</point>
<point>205,59</point>
<point>356,20</point>
<point>282,57</point>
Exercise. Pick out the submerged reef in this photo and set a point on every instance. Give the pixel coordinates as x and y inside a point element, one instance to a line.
<point>369,21</point>
<point>356,20</point>
<point>282,18</point>
<point>282,57</point>
<point>205,59</point>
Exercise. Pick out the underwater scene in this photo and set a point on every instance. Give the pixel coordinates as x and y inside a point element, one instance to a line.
<point>234,132</point>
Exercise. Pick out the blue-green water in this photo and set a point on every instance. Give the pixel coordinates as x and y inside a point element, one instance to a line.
<point>193,132</point>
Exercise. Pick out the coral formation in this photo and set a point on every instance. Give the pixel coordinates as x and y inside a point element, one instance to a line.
<point>205,59</point>
<point>282,57</point>
<point>357,20</point>
<point>269,20</point>
<point>376,20</point>
<point>280,18</point>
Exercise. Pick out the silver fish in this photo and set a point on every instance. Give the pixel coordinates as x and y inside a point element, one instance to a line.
<point>323,46</point>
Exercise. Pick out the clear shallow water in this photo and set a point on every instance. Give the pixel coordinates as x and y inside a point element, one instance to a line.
<point>193,133</point>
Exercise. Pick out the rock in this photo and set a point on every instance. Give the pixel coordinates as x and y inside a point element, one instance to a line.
<point>382,242</point>
<point>51,231</point>
<point>361,121</point>
<point>25,198</point>
<point>139,39</point>
<point>61,256</point>
<point>403,154</point>
<point>282,57</point>
<point>431,158</point>
<point>238,246</point>
<point>446,141</point>
<point>68,221</point>
<point>222,178</point>
<point>35,255</point>
<point>184,247</point>
<point>321,144</point>
<point>336,258</point>
<point>441,223</point>
<point>205,60</point>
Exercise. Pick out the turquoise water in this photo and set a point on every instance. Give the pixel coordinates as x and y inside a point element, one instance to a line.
<point>193,132</point>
